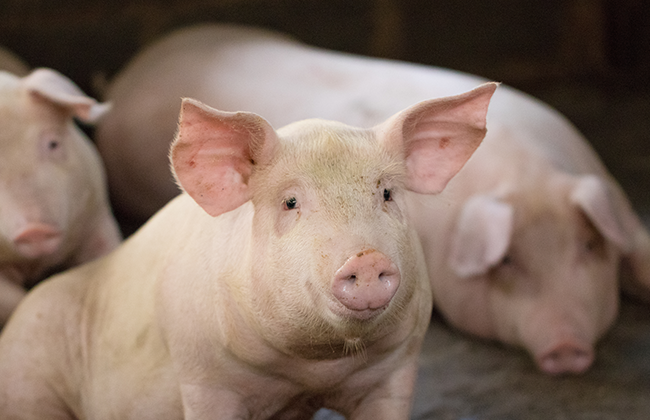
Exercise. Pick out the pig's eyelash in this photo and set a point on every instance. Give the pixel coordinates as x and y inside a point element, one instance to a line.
<point>290,203</point>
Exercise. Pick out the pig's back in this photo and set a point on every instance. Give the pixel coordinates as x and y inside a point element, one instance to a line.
<point>238,68</point>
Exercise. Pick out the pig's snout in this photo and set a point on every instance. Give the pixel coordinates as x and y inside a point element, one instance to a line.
<point>567,357</point>
<point>366,283</point>
<point>38,240</point>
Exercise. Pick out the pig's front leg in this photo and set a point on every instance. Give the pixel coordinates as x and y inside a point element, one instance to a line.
<point>11,293</point>
<point>390,400</point>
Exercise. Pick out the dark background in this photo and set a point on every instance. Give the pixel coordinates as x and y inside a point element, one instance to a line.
<point>588,58</point>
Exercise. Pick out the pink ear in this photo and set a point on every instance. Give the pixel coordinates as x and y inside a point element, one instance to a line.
<point>213,154</point>
<point>62,91</point>
<point>439,135</point>
<point>591,195</point>
<point>482,235</point>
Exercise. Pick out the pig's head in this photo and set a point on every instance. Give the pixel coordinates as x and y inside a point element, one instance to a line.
<point>541,267</point>
<point>334,260</point>
<point>49,172</point>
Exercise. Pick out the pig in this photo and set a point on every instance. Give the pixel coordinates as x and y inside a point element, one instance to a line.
<point>54,210</point>
<point>11,63</point>
<point>534,247</point>
<point>286,277</point>
<point>535,198</point>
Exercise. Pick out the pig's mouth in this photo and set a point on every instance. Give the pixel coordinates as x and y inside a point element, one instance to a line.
<point>366,314</point>
<point>38,240</point>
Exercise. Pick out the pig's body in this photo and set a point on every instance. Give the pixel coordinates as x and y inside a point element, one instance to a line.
<point>559,300</point>
<point>11,63</point>
<point>54,210</point>
<point>295,283</point>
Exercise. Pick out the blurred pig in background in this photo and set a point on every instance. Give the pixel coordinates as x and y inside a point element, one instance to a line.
<point>527,245</point>
<point>54,210</point>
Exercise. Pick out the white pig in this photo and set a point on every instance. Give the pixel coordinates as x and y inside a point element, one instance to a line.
<point>286,278</point>
<point>54,210</point>
<point>11,63</point>
<point>535,199</point>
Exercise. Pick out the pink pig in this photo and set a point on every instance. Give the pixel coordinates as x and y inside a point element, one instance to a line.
<point>54,210</point>
<point>286,278</point>
<point>536,232</point>
<point>524,248</point>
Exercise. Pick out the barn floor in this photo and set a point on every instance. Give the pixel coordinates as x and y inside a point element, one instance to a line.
<point>462,378</point>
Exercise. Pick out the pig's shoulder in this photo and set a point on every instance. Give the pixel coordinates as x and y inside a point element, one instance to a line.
<point>52,307</point>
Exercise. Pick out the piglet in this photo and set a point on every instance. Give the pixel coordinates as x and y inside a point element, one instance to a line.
<point>286,278</point>
<point>54,210</point>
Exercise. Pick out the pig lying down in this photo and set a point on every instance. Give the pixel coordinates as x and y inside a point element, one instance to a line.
<point>524,246</point>
<point>54,210</point>
<point>533,250</point>
<point>285,279</point>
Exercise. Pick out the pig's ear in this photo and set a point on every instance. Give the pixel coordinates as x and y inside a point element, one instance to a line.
<point>438,136</point>
<point>609,210</point>
<point>60,90</point>
<point>482,235</point>
<point>214,153</point>
<point>592,196</point>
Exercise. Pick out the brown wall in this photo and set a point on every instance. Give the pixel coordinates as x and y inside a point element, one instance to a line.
<point>517,41</point>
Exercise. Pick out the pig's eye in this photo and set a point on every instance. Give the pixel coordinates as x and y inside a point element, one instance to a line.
<point>506,260</point>
<point>388,196</point>
<point>290,203</point>
<point>595,246</point>
<point>53,145</point>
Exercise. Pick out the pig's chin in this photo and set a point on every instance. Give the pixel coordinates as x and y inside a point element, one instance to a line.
<point>346,314</point>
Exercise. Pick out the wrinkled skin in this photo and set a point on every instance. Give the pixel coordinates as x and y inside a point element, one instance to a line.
<point>54,210</point>
<point>562,258</point>
<point>285,279</point>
